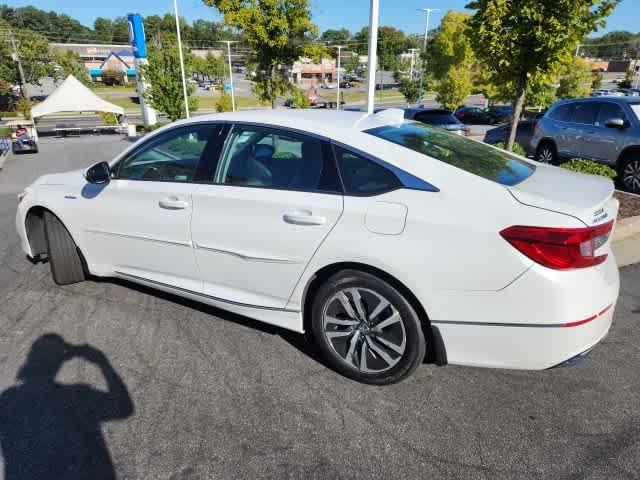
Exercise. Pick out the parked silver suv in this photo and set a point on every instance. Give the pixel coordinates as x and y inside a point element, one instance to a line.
<point>604,129</point>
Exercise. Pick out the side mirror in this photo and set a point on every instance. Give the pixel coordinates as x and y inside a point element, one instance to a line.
<point>98,173</point>
<point>616,123</point>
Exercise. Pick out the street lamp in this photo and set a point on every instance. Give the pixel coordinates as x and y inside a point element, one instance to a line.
<point>233,100</point>
<point>339,47</point>
<point>426,39</point>
<point>373,53</point>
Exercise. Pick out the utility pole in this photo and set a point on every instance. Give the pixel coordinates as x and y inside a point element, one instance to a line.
<point>184,80</point>
<point>339,47</point>
<point>577,50</point>
<point>428,11</point>
<point>373,53</point>
<point>16,58</point>
<point>233,100</point>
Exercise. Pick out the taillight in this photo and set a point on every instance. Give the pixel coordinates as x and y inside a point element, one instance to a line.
<point>560,248</point>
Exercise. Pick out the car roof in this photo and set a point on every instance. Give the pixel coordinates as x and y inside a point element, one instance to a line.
<point>600,99</point>
<point>324,122</point>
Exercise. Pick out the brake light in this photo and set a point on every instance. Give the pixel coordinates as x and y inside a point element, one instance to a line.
<point>560,248</point>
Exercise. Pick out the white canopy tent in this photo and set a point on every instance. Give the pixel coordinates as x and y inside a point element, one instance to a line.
<point>73,96</point>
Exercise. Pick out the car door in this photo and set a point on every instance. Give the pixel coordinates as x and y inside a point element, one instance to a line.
<point>608,142</point>
<point>581,130</point>
<point>273,200</point>
<point>138,225</point>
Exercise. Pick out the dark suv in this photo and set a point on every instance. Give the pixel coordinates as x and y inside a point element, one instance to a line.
<point>604,129</point>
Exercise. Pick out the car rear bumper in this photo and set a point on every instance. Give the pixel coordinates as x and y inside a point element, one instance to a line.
<point>539,321</point>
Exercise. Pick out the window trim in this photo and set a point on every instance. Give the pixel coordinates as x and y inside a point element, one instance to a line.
<point>405,179</point>
<point>622,110</point>
<point>276,130</point>
<point>115,168</point>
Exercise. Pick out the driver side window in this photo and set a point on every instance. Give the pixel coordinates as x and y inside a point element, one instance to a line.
<point>170,157</point>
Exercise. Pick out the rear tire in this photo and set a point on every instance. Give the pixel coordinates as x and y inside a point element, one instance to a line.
<point>366,329</point>
<point>546,153</point>
<point>64,258</point>
<point>629,173</point>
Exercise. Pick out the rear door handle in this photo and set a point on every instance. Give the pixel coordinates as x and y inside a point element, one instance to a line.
<point>303,217</point>
<point>173,203</point>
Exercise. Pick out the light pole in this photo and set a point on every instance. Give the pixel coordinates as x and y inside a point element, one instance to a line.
<point>233,100</point>
<point>373,54</point>
<point>184,80</point>
<point>339,47</point>
<point>425,41</point>
<point>412,51</point>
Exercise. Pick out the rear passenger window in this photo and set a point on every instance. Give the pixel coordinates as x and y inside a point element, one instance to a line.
<point>362,176</point>
<point>562,113</point>
<point>609,111</point>
<point>585,113</point>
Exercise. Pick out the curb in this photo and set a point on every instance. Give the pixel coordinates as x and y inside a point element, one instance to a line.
<point>627,227</point>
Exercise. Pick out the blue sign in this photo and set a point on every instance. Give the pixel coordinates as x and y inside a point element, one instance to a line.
<point>136,35</point>
<point>227,87</point>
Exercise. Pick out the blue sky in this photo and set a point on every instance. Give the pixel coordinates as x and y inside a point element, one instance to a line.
<point>352,14</point>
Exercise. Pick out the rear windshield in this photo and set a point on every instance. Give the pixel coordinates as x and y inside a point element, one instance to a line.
<point>473,157</point>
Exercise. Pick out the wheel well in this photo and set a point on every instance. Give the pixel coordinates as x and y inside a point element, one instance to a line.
<point>549,141</point>
<point>34,226</point>
<point>626,152</point>
<point>435,347</point>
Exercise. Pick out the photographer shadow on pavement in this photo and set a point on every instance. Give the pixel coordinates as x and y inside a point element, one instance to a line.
<point>53,430</point>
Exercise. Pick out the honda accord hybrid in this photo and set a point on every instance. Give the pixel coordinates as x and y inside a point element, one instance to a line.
<point>387,240</point>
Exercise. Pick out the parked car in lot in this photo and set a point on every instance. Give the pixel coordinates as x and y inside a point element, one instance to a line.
<point>346,84</point>
<point>607,93</point>
<point>491,116</point>
<point>438,118</point>
<point>524,133</point>
<point>384,238</point>
<point>604,129</point>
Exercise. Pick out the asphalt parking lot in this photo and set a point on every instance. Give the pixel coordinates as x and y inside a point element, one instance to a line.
<point>199,393</point>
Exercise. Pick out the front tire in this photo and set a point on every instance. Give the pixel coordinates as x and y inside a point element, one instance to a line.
<point>366,329</point>
<point>64,258</point>
<point>629,174</point>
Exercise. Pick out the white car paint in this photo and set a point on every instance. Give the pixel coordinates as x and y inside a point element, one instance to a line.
<point>254,251</point>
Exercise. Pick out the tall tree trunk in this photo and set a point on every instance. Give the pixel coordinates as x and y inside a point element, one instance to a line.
<point>518,105</point>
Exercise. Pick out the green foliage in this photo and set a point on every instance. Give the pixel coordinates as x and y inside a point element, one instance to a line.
<point>391,43</point>
<point>224,103</point>
<point>316,52</point>
<point>5,132</point>
<point>108,118</point>
<point>454,88</point>
<point>520,38</point>
<point>410,88</point>
<point>336,37</point>
<point>212,66</point>
<point>112,77</point>
<point>517,148</point>
<point>300,99</point>
<point>24,107</point>
<point>34,53</point>
<point>150,128</point>
<point>69,63</point>
<point>274,29</point>
<point>165,79</point>
<point>628,80</point>
<point>596,84</point>
<point>583,165</point>
<point>575,78</point>
<point>351,66</point>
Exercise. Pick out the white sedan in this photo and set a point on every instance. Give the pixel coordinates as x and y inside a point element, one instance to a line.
<point>390,241</point>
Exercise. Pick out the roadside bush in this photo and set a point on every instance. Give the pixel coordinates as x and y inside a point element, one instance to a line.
<point>149,128</point>
<point>224,103</point>
<point>5,132</point>
<point>583,165</point>
<point>24,107</point>
<point>112,77</point>
<point>517,148</point>
<point>300,99</point>
<point>108,118</point>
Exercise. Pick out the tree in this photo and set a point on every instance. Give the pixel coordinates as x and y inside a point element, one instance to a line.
<point>69,63</point>
<point>336,37</point>
<point>628,80</point>
<point>103,30</point>
<point>454,87</point>
<point>391,43</point>
<point>519,38</point>
<point>224,103</point>
<point>300,99</point>
<point>452,59</point>
<point>165,79</point>
<point>275,30</point>
<point>352,65</point>
<point>410,88</point>
<point>575,78</point>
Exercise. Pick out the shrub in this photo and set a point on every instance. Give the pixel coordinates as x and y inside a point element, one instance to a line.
<point>108,118</point>
<point>224,103</point>
<point>583,165</point>
<point>150,128</point>
<point>301,99</point>
<point>112,77</point>
<point>24,107</point>
<point>517,148</point>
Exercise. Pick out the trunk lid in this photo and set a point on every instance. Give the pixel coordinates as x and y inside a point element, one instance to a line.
<point>586,197</point>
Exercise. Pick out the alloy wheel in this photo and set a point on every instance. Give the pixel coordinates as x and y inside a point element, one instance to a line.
<point>364,329</point>
<point>545,155</point>
<point>631,176</point>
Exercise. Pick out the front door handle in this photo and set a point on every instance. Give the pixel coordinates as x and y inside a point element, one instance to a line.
<point>173,203</point>
<point>303,217</point>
